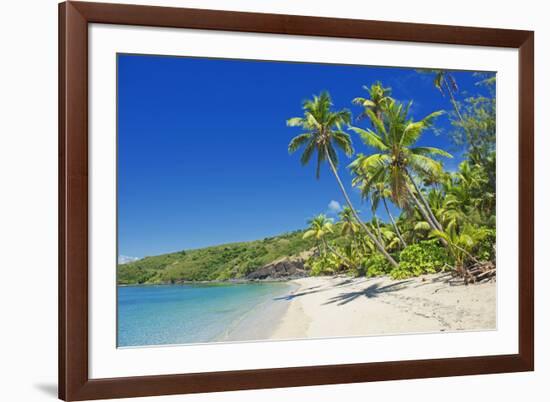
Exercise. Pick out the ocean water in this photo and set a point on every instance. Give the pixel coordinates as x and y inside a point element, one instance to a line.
<point>196,313</point>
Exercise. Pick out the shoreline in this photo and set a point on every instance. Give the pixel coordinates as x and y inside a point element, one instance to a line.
<point>220,282</point>
<point>344,306</point>
<point>188,314</point>
<point>259,323</point>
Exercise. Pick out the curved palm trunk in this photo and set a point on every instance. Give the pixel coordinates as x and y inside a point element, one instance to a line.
<point>379,246</point>
<point>393,222</point>
<point>426,216</point>
<point>453,100</point>
<point>421,209</point>
<point>426,205</point>
<point>378,229</point>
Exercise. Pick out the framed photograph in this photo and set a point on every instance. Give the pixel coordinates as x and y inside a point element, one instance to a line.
<point>260,200</point>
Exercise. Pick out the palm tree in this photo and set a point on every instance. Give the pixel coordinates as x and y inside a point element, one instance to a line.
<point>348,225</point>
<point>319,227</point>
<point>323,131</point>
<point>398,160</point>
<point>377,191</point>
<point>378,99</point>
<point>461,245</point>
<point>391,240</point>
<point>473,186</point>
<point>445,82</point>
<point>380,193</point>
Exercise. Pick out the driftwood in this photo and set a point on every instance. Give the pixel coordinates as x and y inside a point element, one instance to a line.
<point>483,270</point>
<point>477,271</point>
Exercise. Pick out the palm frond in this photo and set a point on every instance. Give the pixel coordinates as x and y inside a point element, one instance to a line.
<point>343,140</point>
<point>412,130</point>
<point>377,123</point>
<point>308,152</point>
<point>441,235</point>
<point>312,121</point>
<point>298,141</point>
<point>295,122</point>
<point>452,82</point>
<point>309,233</point>
<point>338,118</point>
<point>333,155</point>
<point>370,138</point>
<point>425,165</point>
<point>429,119</point>
<point>369,162</point>
<point>363,102</point>
<point>438,79</point>
<point>422,226</point>
<point>430,151</point>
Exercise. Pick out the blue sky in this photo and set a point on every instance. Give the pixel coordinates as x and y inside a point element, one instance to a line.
<point>202,146</point>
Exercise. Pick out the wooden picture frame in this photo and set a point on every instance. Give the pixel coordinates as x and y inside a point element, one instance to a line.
<point>74,381</point>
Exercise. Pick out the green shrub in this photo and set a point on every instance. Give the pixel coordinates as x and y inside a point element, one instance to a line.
<point>485,248</point>
<point>426,257</point>
<point>323,265</point>
<point>316,268</point>
<point>376,265</point>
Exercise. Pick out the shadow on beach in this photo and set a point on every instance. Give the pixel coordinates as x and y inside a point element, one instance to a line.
<point>314,289</point>
<point>371,291</point>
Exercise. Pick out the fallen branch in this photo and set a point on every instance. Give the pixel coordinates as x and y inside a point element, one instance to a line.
<point>482,270</point>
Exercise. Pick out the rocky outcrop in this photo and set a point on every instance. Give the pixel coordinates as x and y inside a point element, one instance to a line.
<point>284,268</point>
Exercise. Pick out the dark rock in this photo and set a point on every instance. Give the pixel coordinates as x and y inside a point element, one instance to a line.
<point>285,268</point>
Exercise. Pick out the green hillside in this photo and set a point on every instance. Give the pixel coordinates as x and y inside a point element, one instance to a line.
<point>227,261</point>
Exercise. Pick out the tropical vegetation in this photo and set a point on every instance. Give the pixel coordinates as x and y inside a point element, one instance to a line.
<point>422,218</point>
<point>221,262</point>
<point>437,220</point>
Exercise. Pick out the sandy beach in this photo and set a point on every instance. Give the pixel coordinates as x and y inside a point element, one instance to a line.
<point>342,306</point>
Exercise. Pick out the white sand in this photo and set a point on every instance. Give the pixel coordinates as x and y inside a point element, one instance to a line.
<point>340,306</point>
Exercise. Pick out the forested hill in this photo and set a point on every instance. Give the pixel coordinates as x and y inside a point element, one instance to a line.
<point>227,261</point>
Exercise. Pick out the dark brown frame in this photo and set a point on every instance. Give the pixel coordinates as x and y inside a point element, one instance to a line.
<point>74,383</point>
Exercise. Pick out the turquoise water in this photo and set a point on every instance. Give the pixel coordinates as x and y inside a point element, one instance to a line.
<point>178,314</point>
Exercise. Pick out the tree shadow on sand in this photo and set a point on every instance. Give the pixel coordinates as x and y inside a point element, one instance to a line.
<point>345,282</point>
<point>314,289</point>
<point>308,291</point>
<point>371,291</point>
<point>442,277</point>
